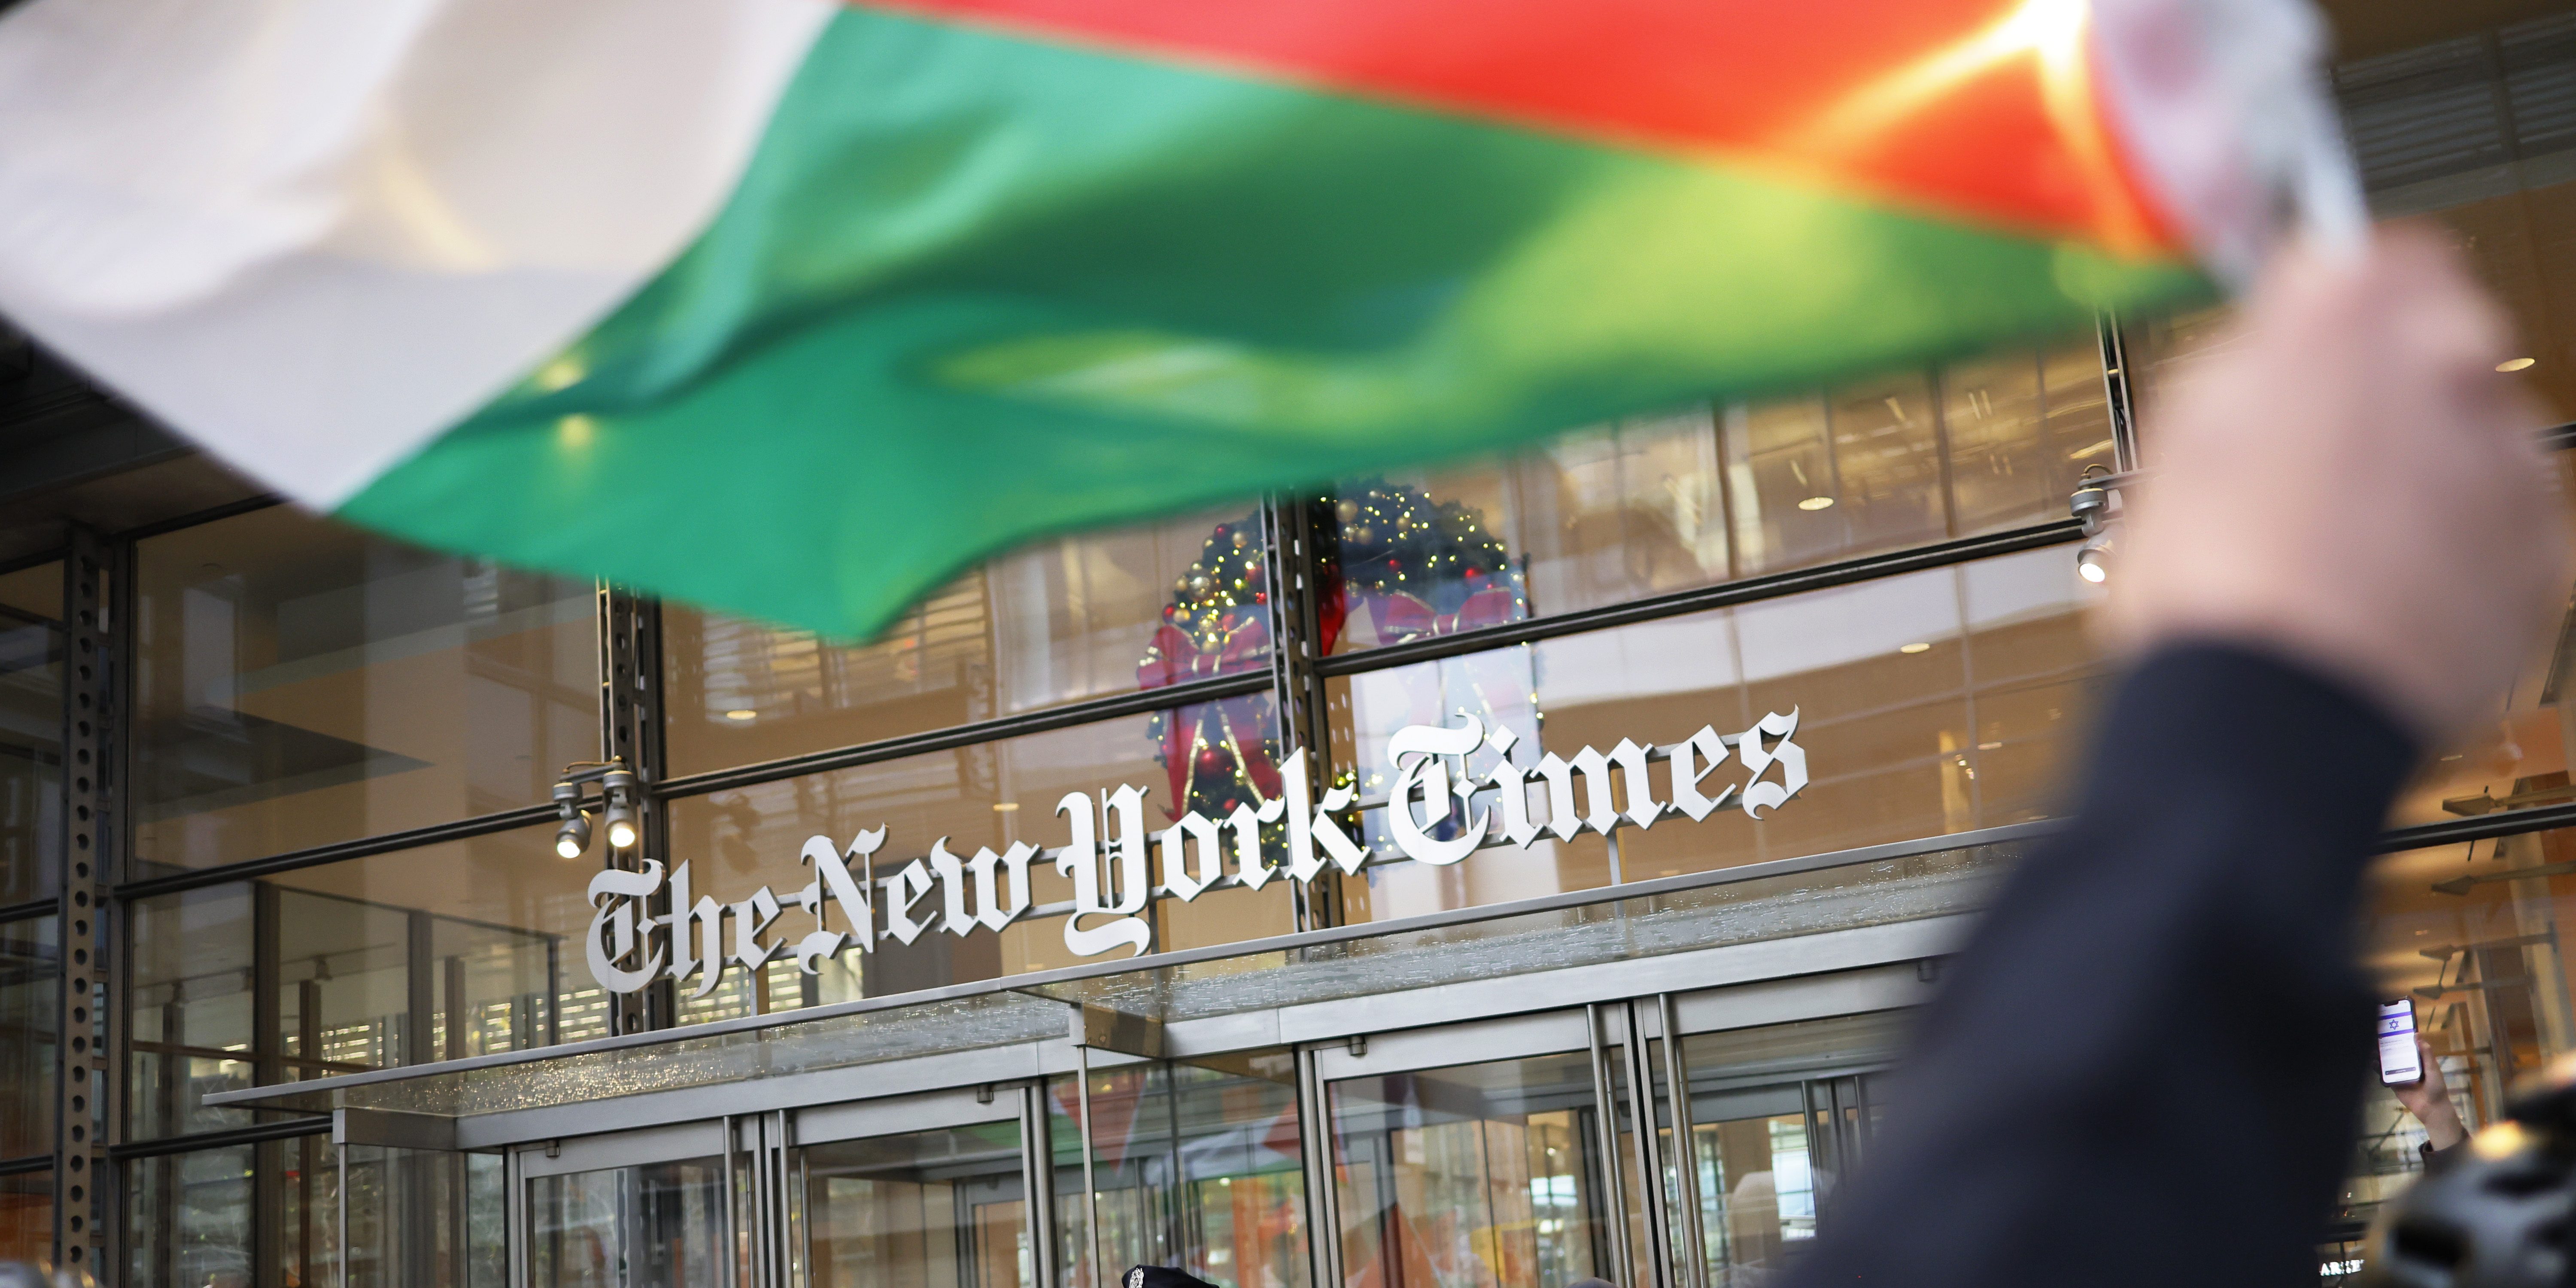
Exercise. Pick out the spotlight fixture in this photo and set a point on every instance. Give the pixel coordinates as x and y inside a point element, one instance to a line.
<point>2093,561</point>
<point>617,802</point>
<point>573,837</point>
<point>619,787</point>
<point>2092,507</point>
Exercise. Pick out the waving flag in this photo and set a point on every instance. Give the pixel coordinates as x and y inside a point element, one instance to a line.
<point>796,308</point>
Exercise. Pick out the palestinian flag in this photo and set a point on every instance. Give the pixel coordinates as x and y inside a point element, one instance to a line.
<point>796,308</point>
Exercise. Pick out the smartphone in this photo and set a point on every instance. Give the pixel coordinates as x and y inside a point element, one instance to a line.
<point>2399,1060</point>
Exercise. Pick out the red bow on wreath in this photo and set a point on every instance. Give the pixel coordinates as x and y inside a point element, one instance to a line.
<point>1206,744</point>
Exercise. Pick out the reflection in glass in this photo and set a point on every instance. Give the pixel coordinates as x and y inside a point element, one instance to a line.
<point>931,1209</point>
<point>189,1004</point>
<point>27,1216</point>
<point>2474,934</point>
<point>1780,1116</point>
<point>1198,1166</point>
<point>1675,502</point>
<point>660,1225</point>
<point>425,1217</point>
<point>990,795</point>
<point>31,730</point>
<point>31,980</point>
<point>299,683</point>
<point>188,1219</point>
<point>1055,623</point>
<point>487,930</point>
<point>1931,702</point>
<point>1474,1176</point>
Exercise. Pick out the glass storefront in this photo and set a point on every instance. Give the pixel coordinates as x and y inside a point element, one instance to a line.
<point>1786,683</point>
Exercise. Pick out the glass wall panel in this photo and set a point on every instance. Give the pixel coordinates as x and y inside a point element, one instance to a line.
<point>31,730</point>
<point>1933,702</point>
<point>1695,498</point>
<point>1198,1166</point>
<point>486,931</point>
<point>27,1216</point>
<point>31,980</point>
<point>300,683</point>
<point>1075,618</point>
<point>188,1219</point>
<point>1204,758</point>
<point>438,952</point>
<point>189,994</point>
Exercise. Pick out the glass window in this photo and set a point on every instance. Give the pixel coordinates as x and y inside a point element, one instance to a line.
<point>189,992</point>
<point>1933,702</point>
<point>927,1209</point>
<point>1209,756</point>
<point>188,1219</point>
<point>31,730</point>
<point>1059,622</point>
<point>487,931</point>
<point>1696,498</point>
<point>31,980</point>
<point>301,683</point>
<point>27,1216</point>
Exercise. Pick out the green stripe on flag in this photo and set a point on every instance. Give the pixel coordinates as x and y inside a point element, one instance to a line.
<point>977,289</point>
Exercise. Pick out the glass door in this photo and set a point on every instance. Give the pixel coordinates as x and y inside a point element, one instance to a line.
<point>646,1209</point>
<point>921,1192</point>
<point>1777,1117</point>
<point>1478,1158</point>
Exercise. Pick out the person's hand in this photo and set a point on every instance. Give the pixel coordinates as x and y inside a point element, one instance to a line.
<point>2352,485</point>
<point>2429,1099</point>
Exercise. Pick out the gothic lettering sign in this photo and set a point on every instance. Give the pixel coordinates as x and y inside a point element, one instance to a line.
<point>1438,811</point>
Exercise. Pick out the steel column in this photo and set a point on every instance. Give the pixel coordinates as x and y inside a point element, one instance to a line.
<point>630,723</point>
<point>94,644</point>
<point>1650,1171</point>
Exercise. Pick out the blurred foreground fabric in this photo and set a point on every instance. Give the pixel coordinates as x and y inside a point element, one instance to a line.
<point>793,308</point>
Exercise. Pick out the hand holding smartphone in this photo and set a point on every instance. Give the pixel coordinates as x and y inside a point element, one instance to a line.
<point>2399,1060</point>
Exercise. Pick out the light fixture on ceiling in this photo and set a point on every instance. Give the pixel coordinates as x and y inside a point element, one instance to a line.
<point>2517,364</point>
<point>1817,503</point>
<point>1916,647</point>
<point>742,713</point>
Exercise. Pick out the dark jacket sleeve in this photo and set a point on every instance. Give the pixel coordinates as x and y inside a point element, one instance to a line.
<point>2147,1066</point>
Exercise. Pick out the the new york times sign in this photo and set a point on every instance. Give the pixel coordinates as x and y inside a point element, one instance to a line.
<point>1438,812</point>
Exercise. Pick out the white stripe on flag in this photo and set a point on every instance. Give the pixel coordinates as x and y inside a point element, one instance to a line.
<point>315,233</point>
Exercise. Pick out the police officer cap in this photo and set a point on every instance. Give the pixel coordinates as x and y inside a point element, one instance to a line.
<point>1161,1277</point>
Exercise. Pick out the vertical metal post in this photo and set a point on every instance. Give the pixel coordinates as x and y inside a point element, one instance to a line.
<point>94,644</point>
<point>732,1208</point>
<point>268,1038</point>
<point>2116,391</point>
<point>340,1199</point>
<point>1650,1171</point>
<point>1090,1190</point>
<point>1323,1193</point>
<point>1693,1235</point>
<point>630,719</point>
<point>1037,1175</point>
<point>1290,563</point>
<point>1614,1189</point>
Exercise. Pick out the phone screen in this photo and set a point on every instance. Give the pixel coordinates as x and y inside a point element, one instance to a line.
<point>2399,1061</point>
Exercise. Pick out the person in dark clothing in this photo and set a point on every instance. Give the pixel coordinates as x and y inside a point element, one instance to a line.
<point>2147,1067</point>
